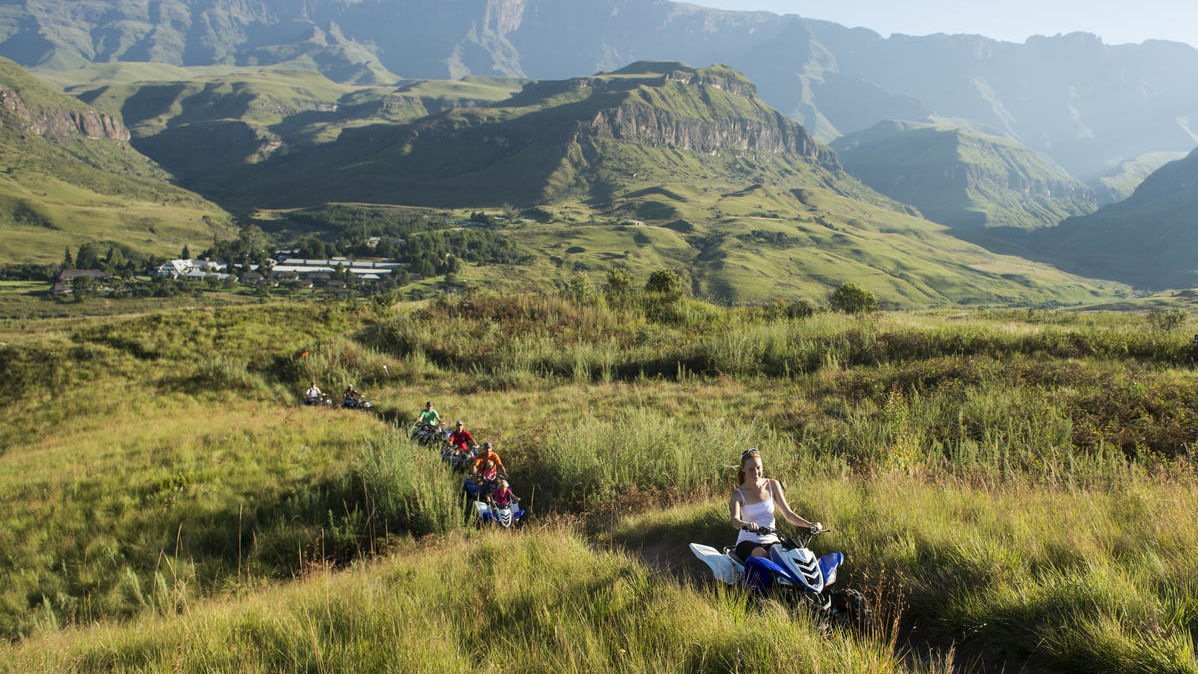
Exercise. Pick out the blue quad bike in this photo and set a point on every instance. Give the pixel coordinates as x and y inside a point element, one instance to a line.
<point>358,403</point>
<point>486,513</point>
<point>792,572</point>
<point>507,516</point>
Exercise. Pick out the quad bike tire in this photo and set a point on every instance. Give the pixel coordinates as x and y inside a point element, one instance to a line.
<point>851,609</point>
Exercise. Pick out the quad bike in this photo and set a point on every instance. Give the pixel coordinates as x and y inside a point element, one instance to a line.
<point>428,434</point>
<point>794,573</point>
<point>507,516</point>
<point>358,403</point>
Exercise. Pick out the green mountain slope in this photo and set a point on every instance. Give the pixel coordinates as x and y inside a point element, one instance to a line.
<point>202,119</point>
<point>963,178</point>
<point>658,164</point>
<point>1150,239</point>
<point>69,176</point>
<point>1120,182</point>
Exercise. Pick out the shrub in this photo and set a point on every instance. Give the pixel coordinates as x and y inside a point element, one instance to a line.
<point>1167,321</point>
<point>853,299</point>
<point>665,282</point>
<point>580,290</point>
<point>619,283</point>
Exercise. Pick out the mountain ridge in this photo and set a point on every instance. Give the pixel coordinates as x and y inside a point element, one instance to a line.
<point>963,178</point>
<point>1069,96</point>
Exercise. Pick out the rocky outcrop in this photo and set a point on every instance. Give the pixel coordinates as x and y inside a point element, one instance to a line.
<point>654,126</point>
<point>61,123</point>
<point>504,16</point>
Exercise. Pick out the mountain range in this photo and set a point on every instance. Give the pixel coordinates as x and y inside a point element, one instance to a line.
<point>1086,105</point>
<point>1150,239</point>
<point>258,104</point>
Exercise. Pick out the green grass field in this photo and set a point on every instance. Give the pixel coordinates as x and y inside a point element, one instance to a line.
<point>1013,489</point>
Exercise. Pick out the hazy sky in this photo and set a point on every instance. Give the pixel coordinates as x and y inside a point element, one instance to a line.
<point>1116,21</point>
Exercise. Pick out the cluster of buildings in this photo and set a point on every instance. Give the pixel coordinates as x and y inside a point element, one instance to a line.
<point>308,272</point>
<point>335,272</point>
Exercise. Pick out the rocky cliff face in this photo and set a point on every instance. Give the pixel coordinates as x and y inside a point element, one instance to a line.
<point>654,126</point>
<point>62,123</point>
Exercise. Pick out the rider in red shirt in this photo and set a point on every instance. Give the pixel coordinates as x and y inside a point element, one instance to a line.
<point>461,438</point>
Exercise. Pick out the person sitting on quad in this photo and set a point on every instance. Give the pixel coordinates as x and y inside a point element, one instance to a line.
<point>461,439</point>
<point>473,486</point>
<point>350,395</point>
<point>502,496</point>
<point>752,506</point>
<point>428,416</point>
<point>487,461</point>
<point>312,395</point>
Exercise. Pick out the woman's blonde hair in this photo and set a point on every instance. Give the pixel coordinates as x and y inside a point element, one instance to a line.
<point>747,454</point>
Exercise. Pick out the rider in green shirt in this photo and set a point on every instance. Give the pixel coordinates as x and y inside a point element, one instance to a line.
<point>429,415</point>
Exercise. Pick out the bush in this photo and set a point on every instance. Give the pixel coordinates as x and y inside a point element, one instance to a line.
<point>1167,321</point>
<point>580,290</point>
<point>665,282</point>
<point>853,299</point>
<point>619,283</point>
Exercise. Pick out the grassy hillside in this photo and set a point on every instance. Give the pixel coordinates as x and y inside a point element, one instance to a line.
<point>1147,240</point>
<point>197,120</point>
<point>1121,181</point>
<point>62,187</point>
<point>741,220</point>
<point>963,178</point>
<point>196,515</point>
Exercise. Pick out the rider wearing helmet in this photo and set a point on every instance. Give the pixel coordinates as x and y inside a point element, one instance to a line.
<point>752,506</point>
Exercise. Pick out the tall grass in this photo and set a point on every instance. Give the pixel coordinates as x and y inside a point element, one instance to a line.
<point>409,487</point>
<point>142,501</point>
<point>597,460</point>
<point>958,456</point>
<point>541,601</point>
<point>1095,580</point>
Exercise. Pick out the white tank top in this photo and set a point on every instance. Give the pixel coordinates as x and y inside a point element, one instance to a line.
<point>760,513</point>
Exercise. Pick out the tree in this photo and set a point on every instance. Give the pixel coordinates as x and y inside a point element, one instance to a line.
<point>186,255</point>
<point>68,262</point>
<point>666,283</point>
<point>115,260</point>
<point>83,287</point>
<point>852,299</point>
<point>87,258</point>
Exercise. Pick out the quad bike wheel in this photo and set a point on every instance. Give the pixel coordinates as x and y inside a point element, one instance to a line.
<point>851,609</point>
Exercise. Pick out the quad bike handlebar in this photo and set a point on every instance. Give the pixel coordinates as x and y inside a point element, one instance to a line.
<point>805,535</point>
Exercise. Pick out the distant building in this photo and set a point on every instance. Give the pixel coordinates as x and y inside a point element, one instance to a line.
<point>62,282</point>
<point>186,268</point>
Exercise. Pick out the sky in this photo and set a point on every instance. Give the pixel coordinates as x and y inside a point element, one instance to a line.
<point>1115,21</point>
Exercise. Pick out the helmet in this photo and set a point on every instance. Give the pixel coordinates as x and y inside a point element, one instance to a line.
<point>486,445</point>
<point>459,422</point>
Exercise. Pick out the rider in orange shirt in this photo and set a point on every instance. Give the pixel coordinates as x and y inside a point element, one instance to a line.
<point>487,460</point>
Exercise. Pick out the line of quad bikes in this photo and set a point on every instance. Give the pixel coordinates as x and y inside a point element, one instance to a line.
<point>791,572</point>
